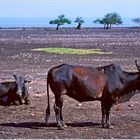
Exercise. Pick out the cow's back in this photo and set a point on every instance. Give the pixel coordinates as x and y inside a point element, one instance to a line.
<point>115,76</point>
<point>61,75</point>
<point>90,80</point>
<point>7,87</point>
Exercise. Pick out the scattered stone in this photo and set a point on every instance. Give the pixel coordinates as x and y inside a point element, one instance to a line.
<point>130,105</point>
<point>79,104</point>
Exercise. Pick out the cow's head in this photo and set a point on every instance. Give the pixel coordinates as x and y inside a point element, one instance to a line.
<point>21,86</point>
<point>138,67</point>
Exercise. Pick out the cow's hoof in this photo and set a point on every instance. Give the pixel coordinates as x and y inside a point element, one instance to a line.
<point>47,122</point>
<point>107,126</point>
<point>27,102</point>
<point>103,126</point>
<point>61,127</point>
<point>64,125</point>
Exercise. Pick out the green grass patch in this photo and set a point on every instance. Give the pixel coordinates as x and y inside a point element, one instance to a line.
<point>71,51</point>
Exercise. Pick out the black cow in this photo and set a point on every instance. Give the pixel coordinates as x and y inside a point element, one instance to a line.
<point>128,96</point>
<point>11,92</point>
<point>107,84</point>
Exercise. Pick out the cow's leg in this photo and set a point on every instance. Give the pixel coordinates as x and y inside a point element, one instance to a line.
<point>103,114</point>
<point>25,96</point>
<point>18,98</point>
<point>58,111</point>
<point>108,125</point>
<point>27,101</point>
<point>103,117</point>
<point>61,117</point>
<point>106,106</point>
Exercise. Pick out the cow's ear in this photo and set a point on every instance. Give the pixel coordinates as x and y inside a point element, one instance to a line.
<point>27,81</point>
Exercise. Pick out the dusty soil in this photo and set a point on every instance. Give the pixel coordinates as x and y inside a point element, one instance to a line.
<point>27,121</point>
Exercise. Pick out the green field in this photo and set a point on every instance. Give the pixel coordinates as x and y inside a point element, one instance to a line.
<point>71,51</point>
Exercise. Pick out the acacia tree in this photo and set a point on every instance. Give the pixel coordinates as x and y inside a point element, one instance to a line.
<point>80,21</point>
<point>100,21</point>
<point>109,19</point>
<point>61,20</point>
<point>136,20</point>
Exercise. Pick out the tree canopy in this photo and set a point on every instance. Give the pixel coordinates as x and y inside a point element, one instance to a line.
<point>136,20</point>
<point>61,20</point>
<point>109,19</point>
<point>80,21</point>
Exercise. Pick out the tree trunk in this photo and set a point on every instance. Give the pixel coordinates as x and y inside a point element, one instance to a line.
<point>57,26</point>
<point>79,26</point>
<point>104,26</point>
<point>110,26</point>
<point>107,27</point>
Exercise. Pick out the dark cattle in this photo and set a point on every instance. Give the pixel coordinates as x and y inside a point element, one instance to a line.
<point>128,96</point>
<point>108,84</point>
<point>11,92</point>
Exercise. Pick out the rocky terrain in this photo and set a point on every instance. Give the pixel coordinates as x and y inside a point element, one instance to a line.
<point>83,120</point>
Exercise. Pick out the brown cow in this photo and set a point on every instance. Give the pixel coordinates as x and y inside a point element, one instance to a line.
<point>107,84</point>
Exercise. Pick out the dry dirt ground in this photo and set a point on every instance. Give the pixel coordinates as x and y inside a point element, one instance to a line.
<point>27,121</point>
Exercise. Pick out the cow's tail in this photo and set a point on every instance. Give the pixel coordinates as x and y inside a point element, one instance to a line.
<point>48,98</point>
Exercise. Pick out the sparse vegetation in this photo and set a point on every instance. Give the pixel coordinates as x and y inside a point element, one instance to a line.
<point>71,51</point>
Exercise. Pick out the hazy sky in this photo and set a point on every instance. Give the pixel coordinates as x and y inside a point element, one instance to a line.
<point>71,8</point>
